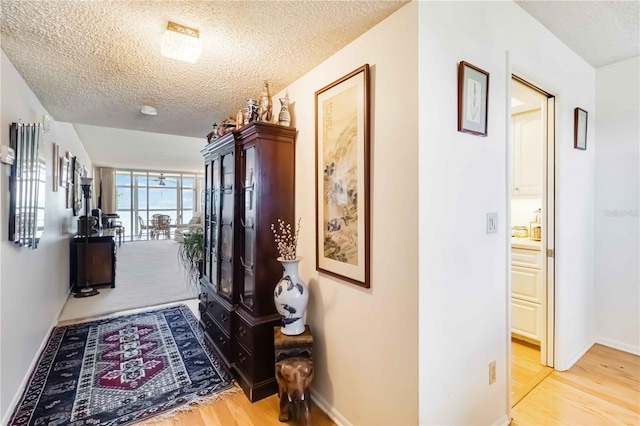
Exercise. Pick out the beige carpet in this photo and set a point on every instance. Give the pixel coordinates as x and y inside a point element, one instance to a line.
<point>147,274</point>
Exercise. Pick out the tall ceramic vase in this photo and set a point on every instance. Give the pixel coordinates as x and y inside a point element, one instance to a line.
<point>291,296</point>
<point>284,118</point>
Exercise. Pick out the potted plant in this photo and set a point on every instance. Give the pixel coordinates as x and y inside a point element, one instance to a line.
<point>191,255</point>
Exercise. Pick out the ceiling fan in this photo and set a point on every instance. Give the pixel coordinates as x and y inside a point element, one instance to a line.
<point>161,180</point>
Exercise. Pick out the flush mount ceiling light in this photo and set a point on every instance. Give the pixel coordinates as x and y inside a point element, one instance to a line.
<point>148,110</point>
<point>181,43</point>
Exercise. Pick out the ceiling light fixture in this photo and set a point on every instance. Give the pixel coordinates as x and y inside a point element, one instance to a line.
<point>181,43</point>
<point>149,110</point>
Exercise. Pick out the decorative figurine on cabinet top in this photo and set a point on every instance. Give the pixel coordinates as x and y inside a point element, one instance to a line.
<point>265,111</point>
<point>284,118</point>
<point>239,119</point>
<point>251,111</point>
<point>213,134</point>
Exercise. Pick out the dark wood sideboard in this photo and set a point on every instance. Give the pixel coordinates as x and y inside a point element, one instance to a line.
<point>100,267</point>
<point>249,184</point>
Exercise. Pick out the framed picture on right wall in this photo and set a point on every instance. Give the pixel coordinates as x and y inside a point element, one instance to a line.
<point>580,129</point>
<point>473,99</point>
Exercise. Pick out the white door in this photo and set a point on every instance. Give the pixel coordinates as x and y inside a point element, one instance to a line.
<point>532,189</point>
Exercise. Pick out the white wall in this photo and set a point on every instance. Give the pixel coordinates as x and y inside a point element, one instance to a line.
<point>34,284</point>
<point>617,254</point>
<point>522,210</point>
<point>365,340</point>
<point>464,273</point>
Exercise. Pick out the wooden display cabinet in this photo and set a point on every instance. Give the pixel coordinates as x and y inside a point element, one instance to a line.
<point>249,184</point>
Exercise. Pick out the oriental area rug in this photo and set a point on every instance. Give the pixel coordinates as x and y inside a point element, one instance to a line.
<point>122,370</point>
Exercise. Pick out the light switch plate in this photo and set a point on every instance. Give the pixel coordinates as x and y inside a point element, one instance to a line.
<point>492,223</point>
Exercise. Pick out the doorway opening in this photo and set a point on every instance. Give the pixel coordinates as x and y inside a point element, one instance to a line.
<point>532,204</point>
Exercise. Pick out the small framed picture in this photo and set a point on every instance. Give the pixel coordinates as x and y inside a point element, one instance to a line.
<point>580,129</point>
<point>69,197</point>
<point>473,99</point>
<point>64,172</point>
<point>55,166</point>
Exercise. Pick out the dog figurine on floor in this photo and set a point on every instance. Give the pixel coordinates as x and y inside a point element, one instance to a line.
<point>294,375</point>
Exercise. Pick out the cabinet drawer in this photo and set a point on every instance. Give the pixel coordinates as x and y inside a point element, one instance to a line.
<point>243,332</point>
<point>202,306</point>
<point>217,336</point>
<point>244,361</point>
<point>527,319</point>
<point>526,258</point>
<point>527,284</point>
<point>220,315</point>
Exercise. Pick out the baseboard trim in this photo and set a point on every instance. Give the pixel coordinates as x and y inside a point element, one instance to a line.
<point>32,366</point>
<point>621,346</point>
<point>503,421</point>
<point>575,358</point>
<point>333,414</point>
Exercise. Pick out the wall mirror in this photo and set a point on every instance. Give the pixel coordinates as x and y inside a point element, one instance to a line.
<point>27,185</point>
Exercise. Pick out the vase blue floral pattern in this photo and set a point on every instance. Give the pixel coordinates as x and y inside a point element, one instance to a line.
<point>291,296</point>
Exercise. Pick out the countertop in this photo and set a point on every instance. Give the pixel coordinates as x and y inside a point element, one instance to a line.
<point>525,243</point>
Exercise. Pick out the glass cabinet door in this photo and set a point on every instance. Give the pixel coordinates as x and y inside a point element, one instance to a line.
<point>248,220</point>
<point>207,225</point>
<point>225,286</point>
<point>214,194</point>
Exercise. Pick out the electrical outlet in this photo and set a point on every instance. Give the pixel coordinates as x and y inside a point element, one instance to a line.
<point>492,372</point>
<point>492,223</point>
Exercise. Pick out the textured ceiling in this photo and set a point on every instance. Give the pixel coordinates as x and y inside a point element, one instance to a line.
<point>94,63</point>
<point>601,32</point>
<point>97,62</point>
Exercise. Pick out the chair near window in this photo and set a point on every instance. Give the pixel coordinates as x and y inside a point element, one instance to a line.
<point>194,224</point>
<point>155,219</point>
<point>163,226</point>
<point>143,227</point>
<point>119,231</point>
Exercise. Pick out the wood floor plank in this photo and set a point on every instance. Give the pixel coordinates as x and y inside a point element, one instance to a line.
<point>524,389</point>
<point>602,388</point>
<point>236,410</point>
<point>526,370</point>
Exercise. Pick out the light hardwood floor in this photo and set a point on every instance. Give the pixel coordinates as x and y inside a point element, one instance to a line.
<point>526,370</point>
<point>235,409</point>
<point>602,388</point>
<point>230,409</point>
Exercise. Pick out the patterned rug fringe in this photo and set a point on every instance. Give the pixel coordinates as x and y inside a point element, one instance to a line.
<point>193,405</point>
<point>82,364</point>
<point>117,314</point>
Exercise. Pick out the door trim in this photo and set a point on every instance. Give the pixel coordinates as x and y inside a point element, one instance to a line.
<point>547,347</point>
<point>550,230</point>
<point>548,219</point>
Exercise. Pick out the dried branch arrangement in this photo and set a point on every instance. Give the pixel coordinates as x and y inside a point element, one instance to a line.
<point>286,239</point>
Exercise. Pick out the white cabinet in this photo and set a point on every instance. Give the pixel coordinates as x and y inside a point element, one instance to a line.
<point>527,293</point>
<point>527,319</point>
<point>527,150</point>
<point>526,284</point>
